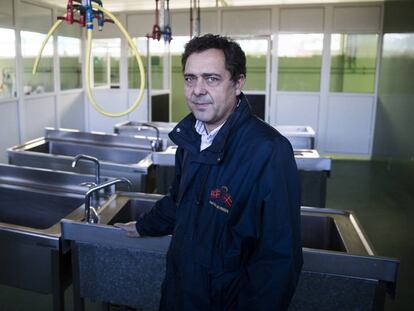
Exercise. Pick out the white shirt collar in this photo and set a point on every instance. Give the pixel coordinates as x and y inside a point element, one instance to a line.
<point>206,138</point>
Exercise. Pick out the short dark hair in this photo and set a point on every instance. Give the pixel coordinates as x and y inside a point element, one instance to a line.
<point>235,59</point>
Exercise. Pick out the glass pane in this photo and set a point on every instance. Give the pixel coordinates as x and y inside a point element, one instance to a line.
<point>158,50</point>
<point>42,81</point>
<point>179,105</point>
<point>256,52</point>
<point>7,63</point>
<point>299,62</point>
<point>70,63</point>
<point>106,54</point>
<point>397,59</point>
<point>353,63</point>
<point>134,77</point>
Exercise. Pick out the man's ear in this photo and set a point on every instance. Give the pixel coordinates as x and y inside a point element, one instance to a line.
<point>239,84</point>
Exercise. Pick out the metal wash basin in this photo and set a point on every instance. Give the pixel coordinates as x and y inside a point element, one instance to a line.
<point>340,266</point>
<point>132,128</point>
<point>301,137</point>
<point>119,156</point>
<point>35,209</point>
<point>32,203</point>
<point>314,171</point>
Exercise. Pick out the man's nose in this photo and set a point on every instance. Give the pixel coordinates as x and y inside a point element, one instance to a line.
<point>200,87</point>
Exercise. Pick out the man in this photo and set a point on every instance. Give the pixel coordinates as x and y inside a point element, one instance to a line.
<point>233,209</point>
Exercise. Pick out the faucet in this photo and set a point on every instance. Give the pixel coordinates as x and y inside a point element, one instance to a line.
<point>155,144</point>
<point>97,174</point>
<point>89,209</point>
<point>94,160</point>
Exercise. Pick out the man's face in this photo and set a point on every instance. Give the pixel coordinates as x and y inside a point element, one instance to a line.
<point>209,92</point>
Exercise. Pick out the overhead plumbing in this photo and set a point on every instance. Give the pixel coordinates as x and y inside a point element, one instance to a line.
<point>162,25</point>
<point>84,12</point>
<point>195,26</point>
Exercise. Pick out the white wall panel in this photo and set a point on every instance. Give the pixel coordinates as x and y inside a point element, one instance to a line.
<point>39,112</point>
<point>301,19</point>
<point>208,20</point>
<point>349,124</point>
<point>71,110</point>
<point>111,101</point>
<point>357,19</point>
<point>297,109</point>
<point>6,13</point>
<point>34,18</point>
<point>9,128</point>
<point>246,22</point>
<point>180,23</point>
<point>140,24</point>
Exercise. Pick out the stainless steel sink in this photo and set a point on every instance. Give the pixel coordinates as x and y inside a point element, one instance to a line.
<point>333,244</point>
<point>133,128</point>
<point>301,137</point>
<point>321,232</point>
<point>35,209</point>
<point>32,203</point>
<point>120,156</point>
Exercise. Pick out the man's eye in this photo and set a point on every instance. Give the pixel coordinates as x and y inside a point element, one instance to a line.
<point>212,79</point>
<point>189,80</point>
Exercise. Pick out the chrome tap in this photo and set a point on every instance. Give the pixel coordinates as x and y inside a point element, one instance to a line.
<point>94,160</point>
<point>92,190</point>
<point>156,145</point>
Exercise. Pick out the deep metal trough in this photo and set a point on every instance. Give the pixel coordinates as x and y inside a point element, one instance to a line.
<point>340,266</point>
<point>32,203</point>
<point>128,157</point>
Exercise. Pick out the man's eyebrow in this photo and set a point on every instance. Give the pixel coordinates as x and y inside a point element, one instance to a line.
<point>205,74</point>
<point>208,74</point>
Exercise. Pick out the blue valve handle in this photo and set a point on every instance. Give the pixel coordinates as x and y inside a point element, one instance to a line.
<point>89,14</point>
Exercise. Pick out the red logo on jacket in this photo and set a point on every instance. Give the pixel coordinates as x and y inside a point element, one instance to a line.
<point>221,199</point>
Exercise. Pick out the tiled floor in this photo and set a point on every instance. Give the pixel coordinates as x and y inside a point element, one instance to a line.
<point>385,209</point>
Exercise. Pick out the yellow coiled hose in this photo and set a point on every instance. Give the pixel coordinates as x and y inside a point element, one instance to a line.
<point>88,64</point>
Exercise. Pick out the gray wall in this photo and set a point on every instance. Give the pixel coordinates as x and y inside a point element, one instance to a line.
<point>394,128</point>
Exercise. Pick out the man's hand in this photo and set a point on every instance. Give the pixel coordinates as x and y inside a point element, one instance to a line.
<point>129,227</point>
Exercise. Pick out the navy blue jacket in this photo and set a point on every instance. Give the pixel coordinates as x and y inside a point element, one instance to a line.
<point>234,215</point>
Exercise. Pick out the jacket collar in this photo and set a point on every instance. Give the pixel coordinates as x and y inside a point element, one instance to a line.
<point>186,137</point>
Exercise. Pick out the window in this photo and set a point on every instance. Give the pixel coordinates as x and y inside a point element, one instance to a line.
<point>70,63</point>
<point>106,54</point>
<point>256,53</point>
<point>158,51</point>
<point>42,81</point>
<point>134,77</point>
<point>299,62</point>
<point>353,63</point>
<point>7,63</point>
<point>179,106</point>
<point>397,58</point>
